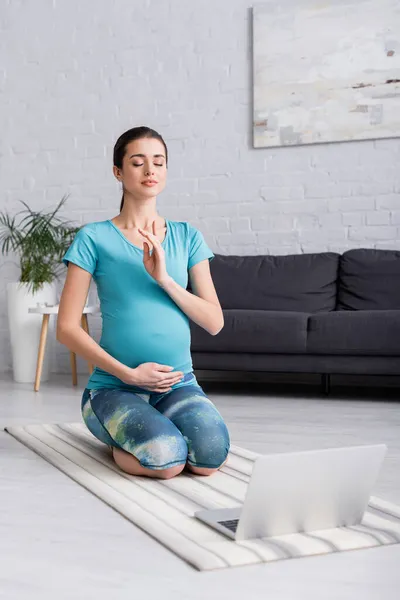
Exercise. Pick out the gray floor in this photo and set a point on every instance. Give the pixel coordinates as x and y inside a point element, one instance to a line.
<point>58,540</point>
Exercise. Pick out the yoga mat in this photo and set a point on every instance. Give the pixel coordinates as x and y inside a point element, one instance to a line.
<point>164,508</point>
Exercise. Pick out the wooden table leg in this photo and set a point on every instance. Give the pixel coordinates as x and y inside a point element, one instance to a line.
<point>72,356</point>
<point>85,327</point>
<point>42,347</point>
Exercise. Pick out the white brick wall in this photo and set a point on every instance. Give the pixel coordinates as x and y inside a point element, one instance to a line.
<point>75,75</point>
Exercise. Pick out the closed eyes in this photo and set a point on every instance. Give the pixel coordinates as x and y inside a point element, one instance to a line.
<point>141,165</point>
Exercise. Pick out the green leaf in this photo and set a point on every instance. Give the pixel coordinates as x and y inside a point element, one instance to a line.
<point>41,238</point>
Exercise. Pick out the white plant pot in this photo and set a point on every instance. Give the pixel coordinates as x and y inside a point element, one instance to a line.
<point>25,329</point>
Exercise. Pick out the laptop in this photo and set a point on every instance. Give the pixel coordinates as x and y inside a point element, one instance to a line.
<point>302,492</point>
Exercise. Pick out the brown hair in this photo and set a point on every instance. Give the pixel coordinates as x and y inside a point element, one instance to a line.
<point>131,135</point>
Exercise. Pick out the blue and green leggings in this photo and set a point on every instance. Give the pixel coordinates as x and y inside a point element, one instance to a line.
<point>161,430</point>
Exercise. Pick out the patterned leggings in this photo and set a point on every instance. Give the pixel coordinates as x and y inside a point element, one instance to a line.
<point>160,429</point>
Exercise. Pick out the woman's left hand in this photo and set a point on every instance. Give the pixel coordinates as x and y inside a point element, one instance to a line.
<point>154,264</point>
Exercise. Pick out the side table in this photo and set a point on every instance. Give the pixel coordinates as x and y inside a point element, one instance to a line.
<point>46,311</point>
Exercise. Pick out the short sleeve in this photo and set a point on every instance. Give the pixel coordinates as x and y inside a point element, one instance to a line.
<point>198,248</point>
<point>83,250</point>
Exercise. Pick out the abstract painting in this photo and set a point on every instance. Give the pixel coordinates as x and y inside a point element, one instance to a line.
<point>326,72</point>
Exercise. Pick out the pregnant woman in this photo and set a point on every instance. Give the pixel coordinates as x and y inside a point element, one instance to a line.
<point>143,399</point>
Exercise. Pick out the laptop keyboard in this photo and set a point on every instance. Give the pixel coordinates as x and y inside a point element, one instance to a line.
<point>230,524</point>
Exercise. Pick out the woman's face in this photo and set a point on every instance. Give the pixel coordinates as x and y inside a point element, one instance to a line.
<point>144,168</point>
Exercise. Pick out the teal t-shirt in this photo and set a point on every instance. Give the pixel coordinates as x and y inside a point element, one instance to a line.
<point>140,321</point>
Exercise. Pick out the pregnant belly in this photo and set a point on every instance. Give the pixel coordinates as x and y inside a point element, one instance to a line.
<point>164,338</point>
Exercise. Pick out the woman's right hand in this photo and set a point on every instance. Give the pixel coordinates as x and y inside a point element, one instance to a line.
<point>153,377</point>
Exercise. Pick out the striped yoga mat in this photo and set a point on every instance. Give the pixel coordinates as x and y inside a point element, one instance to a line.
<point>165,508</point>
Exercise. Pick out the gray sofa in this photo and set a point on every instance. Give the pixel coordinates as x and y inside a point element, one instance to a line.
<point>309,313</point>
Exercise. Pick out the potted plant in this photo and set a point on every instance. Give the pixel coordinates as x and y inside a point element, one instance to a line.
<point>41,240</point>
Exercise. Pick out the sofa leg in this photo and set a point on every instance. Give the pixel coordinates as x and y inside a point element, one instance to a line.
<point>326,383</point>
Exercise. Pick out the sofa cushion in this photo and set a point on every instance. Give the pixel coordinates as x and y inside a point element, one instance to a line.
<point>300,282</point>
<point>255,331</point>
<point>364,332</point>
<point>369,280</point>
